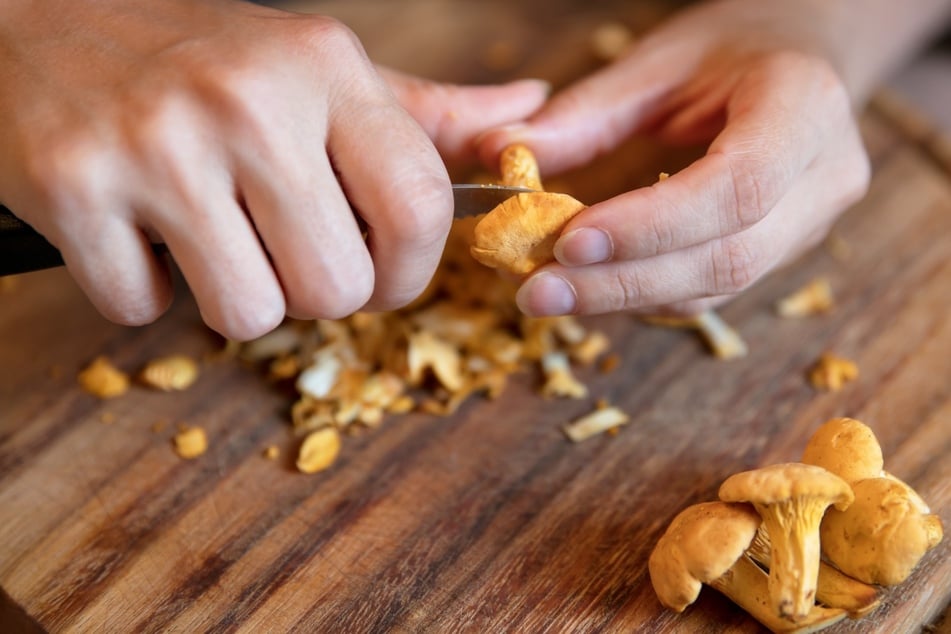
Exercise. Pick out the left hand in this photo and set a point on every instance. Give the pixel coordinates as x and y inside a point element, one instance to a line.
<point>785,160</point>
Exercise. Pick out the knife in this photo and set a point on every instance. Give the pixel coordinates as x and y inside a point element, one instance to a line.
<point>22,249</point>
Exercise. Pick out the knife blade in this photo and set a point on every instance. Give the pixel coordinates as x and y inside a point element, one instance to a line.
<point>472,200</point>
<point>22,249</point>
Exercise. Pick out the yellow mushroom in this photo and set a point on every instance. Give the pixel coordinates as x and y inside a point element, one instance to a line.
<point>883,535</point>
<point>791,498</point>
<point>833,588</point>
<point>846,447</point>
<point>705,543</point>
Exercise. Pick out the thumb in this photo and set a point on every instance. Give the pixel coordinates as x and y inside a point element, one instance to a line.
<point>453,115</point>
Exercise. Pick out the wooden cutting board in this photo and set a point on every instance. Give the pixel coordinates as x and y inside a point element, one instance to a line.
<point>488,520</point>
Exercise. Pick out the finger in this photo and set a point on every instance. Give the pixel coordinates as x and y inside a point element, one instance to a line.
<point>79,202</point>
<point>778,120</point>
<point>454,115</point>
<point>113,262</point>
<point>721,267</point>
<point>308,229</point>
<point>398,185</point>
<point>594,115</point>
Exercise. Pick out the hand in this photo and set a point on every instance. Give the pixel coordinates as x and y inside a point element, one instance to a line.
<point>785,160</point>
<point>247,139</point>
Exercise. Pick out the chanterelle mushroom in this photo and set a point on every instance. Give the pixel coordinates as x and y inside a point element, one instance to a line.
<point>791,498</point>
<point>705,543</point>
<point>883,535</point>
<point>834,589</point>
<point>846,447</point>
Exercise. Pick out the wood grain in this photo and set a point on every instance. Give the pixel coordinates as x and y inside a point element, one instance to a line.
<point>488,520</point>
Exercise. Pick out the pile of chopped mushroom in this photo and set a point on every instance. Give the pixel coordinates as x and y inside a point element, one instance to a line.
<point>799,545</point>
<point>463,336</point>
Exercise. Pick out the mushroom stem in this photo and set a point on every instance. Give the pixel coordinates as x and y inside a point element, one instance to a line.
<point>747,585</point>
<point>834,589</point>
<point>795,559</point>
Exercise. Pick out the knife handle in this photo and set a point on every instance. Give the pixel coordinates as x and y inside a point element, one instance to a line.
<point>22,249</point>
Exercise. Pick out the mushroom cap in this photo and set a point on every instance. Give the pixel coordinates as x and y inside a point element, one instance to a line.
<point>699,546</point>
<point>883,535</point>
<point>519,235</point>
<point>846,447</point>
<point>785,481</point>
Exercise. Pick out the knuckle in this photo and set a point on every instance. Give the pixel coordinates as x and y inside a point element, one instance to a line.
<point>734,266</point>
<point>69,175</point>
<point>755,184</point>
<point>328,37</point>
<point>630,290</point>
<point>426,216</point>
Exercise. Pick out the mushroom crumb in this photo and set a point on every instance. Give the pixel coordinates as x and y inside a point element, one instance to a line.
<point>812,299</point>
<point>172,373</point>
<point>191,442</point>
<point>610,39</point>
<point>831,373</point>
<point>603,419</point>
<point>104,380</point>
<point>725,342</point>
<point>319,450</point>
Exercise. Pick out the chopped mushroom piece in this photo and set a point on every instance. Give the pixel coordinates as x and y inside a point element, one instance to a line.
<point>558,378</point>
<point>791,498</point>
<point>706,543</point>
<point>846,447</point>
<point>172,373</point>
<point>191,442</point>
<point>602,419</point>
<point>427,351</point>
<point>104,380</point>
<point>812,299</point>
<point>319,450</point>
<point>883,535</point>
<point>725,342</point>
<point>831,373</point>
<point>610,39</point>
<point>833,588</point>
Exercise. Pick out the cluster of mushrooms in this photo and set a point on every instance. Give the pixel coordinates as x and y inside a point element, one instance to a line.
<point>800,546</point>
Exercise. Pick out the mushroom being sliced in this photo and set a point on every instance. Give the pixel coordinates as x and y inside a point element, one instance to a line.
<point>705,543</point>
<point>791,498</point>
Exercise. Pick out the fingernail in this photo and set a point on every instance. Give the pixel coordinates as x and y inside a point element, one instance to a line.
<point>546,294</point>
<point>584,246</point>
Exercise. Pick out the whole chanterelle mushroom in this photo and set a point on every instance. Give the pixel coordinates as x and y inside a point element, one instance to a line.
<point>791,498</point>
<point>883,535</point>
<point>706,543</point>
<point>846,447</point>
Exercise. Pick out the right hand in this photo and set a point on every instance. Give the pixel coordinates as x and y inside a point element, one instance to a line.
<point>248,140</point>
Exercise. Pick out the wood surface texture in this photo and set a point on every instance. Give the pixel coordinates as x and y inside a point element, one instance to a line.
<point>488,520</point>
